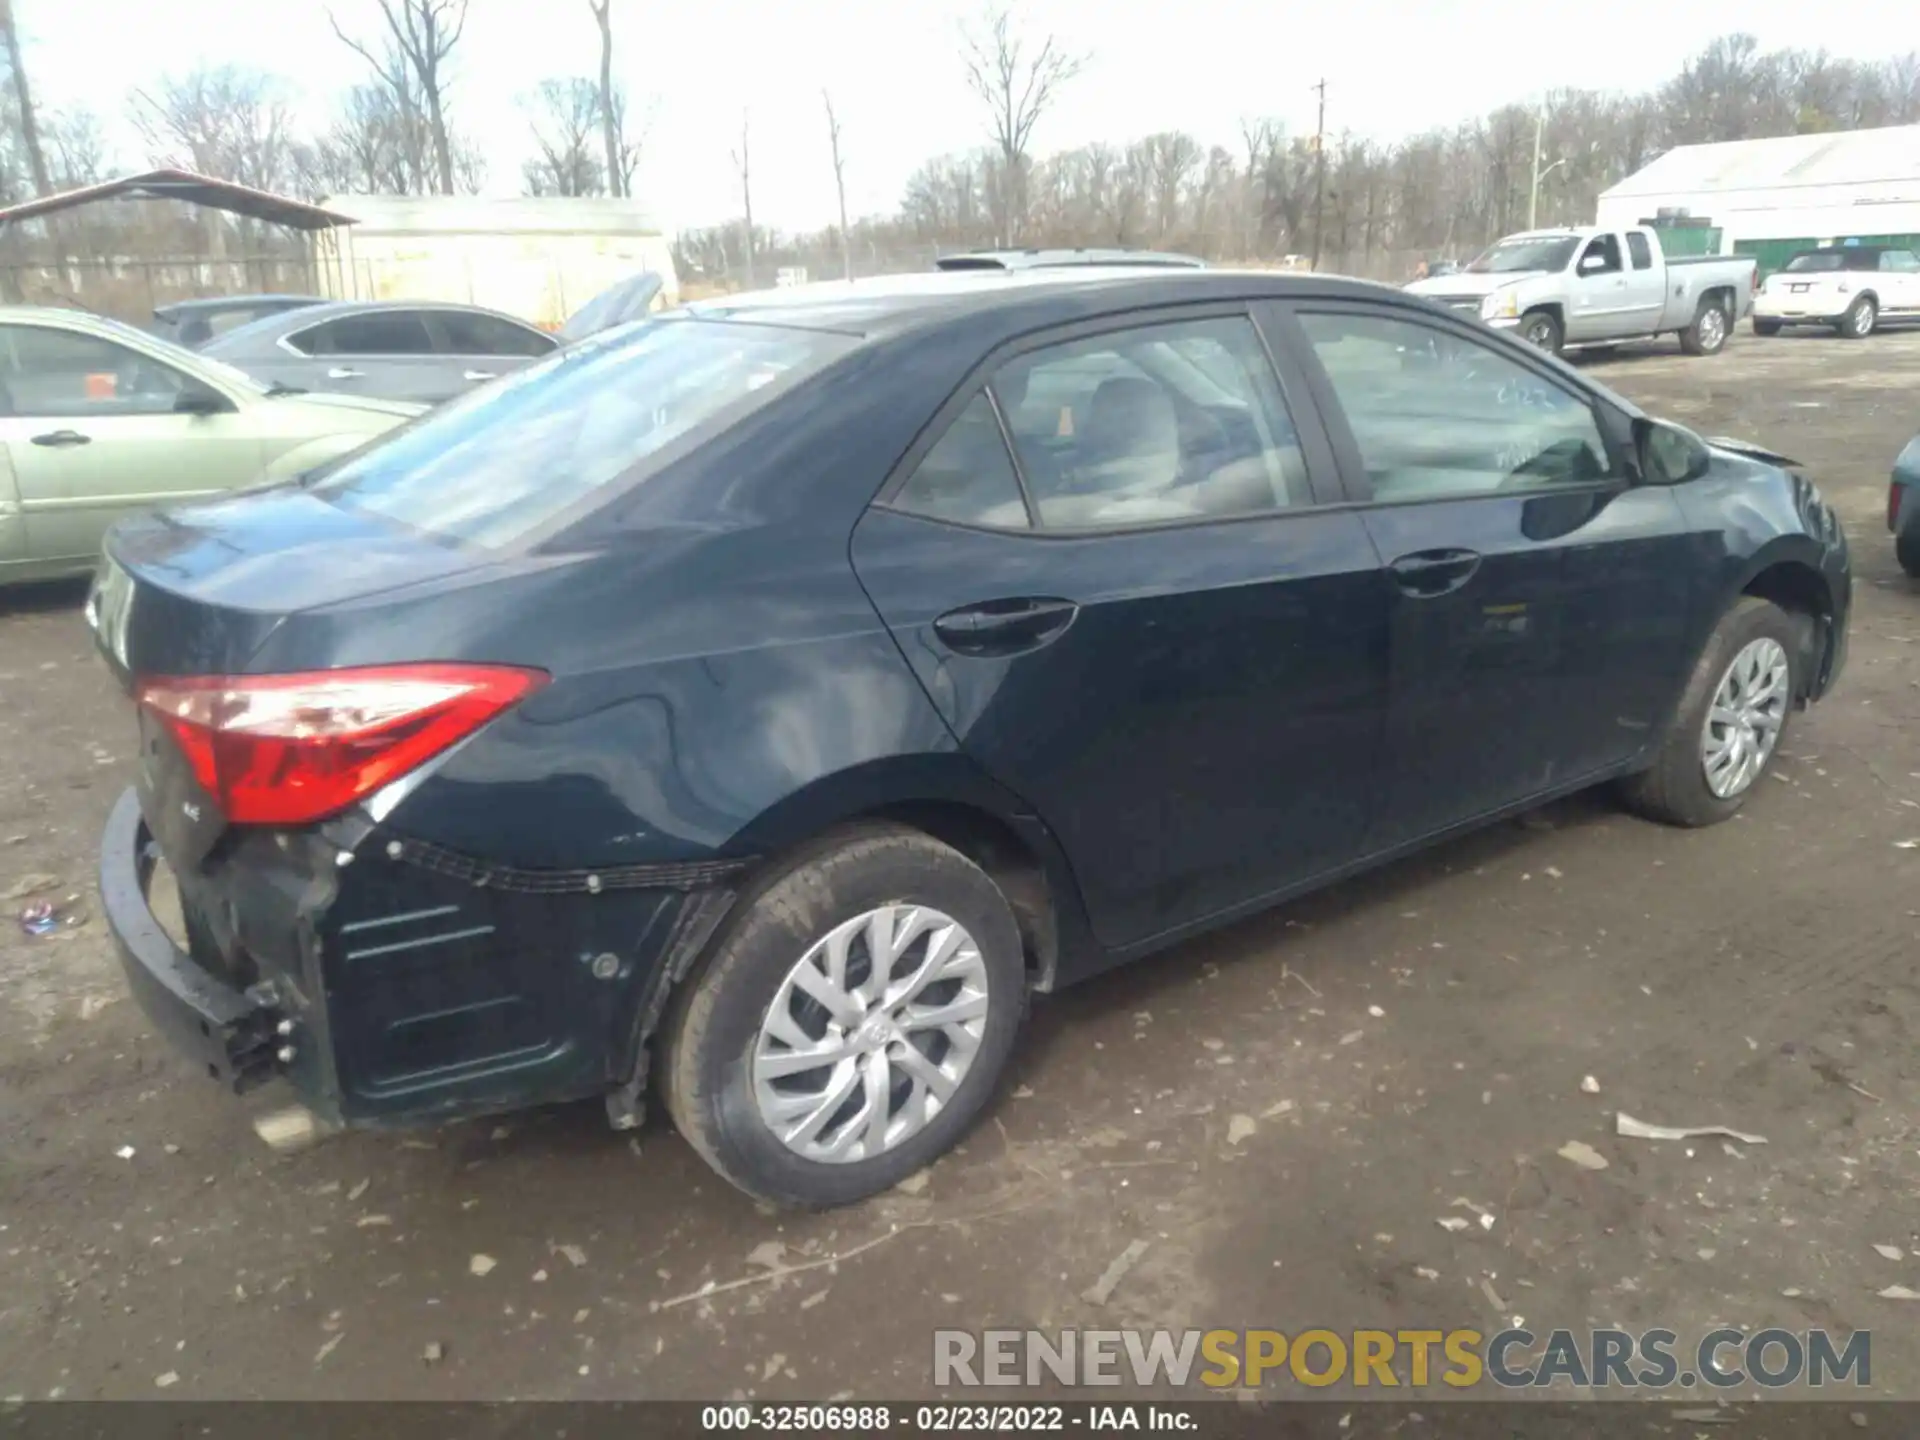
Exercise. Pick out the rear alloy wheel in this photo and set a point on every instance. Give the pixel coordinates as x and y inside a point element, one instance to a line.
<point>1859,320</point>
<point>1707,335</point>
<point>1765,327</point>
<point>851,1021</point>
<point>1728,727</point>
<point>1540,330</point>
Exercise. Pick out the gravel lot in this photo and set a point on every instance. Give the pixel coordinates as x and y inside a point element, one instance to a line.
<point>1401,1043</point>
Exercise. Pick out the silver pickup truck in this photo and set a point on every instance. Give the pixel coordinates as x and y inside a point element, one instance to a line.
<point>1582,287</point>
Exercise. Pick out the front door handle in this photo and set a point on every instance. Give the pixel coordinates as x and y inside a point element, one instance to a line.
<point>479,375</point>
<point>344,372</point>
<point>1427,573</point>
<point>1005,627</point>
<point>62,438</point>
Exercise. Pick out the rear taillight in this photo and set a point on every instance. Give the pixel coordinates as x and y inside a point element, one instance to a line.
<point>293,749</point>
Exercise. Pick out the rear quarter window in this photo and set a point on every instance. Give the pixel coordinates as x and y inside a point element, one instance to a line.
<point>506,460</point>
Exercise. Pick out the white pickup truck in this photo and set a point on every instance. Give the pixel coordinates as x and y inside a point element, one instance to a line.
<point>1583,287</point>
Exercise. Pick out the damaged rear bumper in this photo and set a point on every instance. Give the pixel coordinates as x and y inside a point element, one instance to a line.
<point>393,983</point>
<point>228,1032</point>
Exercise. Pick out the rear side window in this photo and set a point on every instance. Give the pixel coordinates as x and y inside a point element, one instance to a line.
<point>968,475</point>
<point>1902,260</point>
<point>505,459</point>
<point>397,332</point>
<point>1640,250</point>
<point>464,334</point>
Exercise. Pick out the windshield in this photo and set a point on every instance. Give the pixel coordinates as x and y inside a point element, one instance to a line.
<point>503,460</point>
<point>1507,257</point>
<point>1827,260</point>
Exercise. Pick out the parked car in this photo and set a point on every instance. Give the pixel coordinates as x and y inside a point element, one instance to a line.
<point>1056,259</point>
<point>1903,508</point>
<point>1850,289</point>
<point>624,300</point>
<point>99,419</point>
<point>193,323</point>
<point>1564,289</point>
<point>413,350</point>
<point>763,700</point>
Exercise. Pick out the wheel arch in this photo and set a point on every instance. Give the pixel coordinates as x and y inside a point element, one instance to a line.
<point>1786,575</point>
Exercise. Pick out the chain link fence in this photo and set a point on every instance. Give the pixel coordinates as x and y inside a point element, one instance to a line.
<point>131,289</point>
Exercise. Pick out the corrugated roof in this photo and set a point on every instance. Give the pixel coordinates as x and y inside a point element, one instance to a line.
<point>488,215</point>
<point>1851,157</point>
<point>171,184</point>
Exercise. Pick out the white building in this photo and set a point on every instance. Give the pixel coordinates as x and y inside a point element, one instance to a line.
<point>1771,197</point>
<point>537,258</point>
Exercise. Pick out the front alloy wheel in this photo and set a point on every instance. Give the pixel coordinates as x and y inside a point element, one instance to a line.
<point>1742,727</point>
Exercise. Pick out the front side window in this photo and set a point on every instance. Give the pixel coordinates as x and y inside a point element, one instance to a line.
<point>1640,250</point>
<point>1601,257</point>
<point>505,459</point>
<point>394,332</point>
<point>1436,415</point>
<point>1175,421</point>
<point>45,371</point>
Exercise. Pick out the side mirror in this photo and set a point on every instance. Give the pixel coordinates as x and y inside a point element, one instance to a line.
<point>1670,455</point>
<point>1591,263</point>
<point>201,400</point>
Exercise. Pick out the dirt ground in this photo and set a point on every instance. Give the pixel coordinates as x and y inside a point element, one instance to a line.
<point>1407,1046</point>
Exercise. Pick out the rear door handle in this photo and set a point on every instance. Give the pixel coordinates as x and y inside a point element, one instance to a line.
<point>1427,573</point>
<point>344,372</point>
<point>1005,627</point>
<point>479,375</point>
<point>62,438</point>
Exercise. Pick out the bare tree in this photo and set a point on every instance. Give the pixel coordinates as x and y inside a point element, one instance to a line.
<point>413,65</point>
<point>1017,78</point>
<point>743,162</point>
<point>77,151</point>
<point>23,101</point>
<point>611,135</point>
<point>222,121</point>
<point>839,185</point>
<point>565,115</point>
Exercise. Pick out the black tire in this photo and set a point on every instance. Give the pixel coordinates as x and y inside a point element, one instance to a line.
<point>1674,790</point>
<point>1765,327</point>
<point>1541,329</point>
<point>1707,335</point>
<point>1906,549</point>
<point>1859,321</point>
<point>715,1018</point>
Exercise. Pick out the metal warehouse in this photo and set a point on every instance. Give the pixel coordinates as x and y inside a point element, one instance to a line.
<point>1769,198</point>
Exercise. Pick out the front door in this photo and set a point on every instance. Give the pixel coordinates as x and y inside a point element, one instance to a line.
<point>1597,304</point>
<point>92,432</point>
<point>1154,630</point>
<point>1539,604</point>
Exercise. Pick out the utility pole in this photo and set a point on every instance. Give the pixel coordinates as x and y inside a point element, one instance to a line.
<point>1320,170</point>
<point>1533,192</point>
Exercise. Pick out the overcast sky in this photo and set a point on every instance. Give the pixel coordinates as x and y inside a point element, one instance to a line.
<point>893,67</point>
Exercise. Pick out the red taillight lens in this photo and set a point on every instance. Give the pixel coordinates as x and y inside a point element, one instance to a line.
<point>293,749</point>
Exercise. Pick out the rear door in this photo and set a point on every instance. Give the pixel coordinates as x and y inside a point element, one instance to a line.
<point>1539,602</point>
<point>477,347</point>
<point>1644,296</point>
<point>1113,563</point>
<point>92,432</point>
<point>389,354</point>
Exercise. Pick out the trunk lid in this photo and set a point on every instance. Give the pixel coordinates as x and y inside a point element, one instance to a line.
<point>199,592</point>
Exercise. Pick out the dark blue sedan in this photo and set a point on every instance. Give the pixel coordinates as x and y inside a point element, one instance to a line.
<point>757,703</point>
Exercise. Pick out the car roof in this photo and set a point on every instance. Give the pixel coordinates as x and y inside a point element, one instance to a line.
<point>233,302</point>
<point>1039,259</point>
<point>897,304</point>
